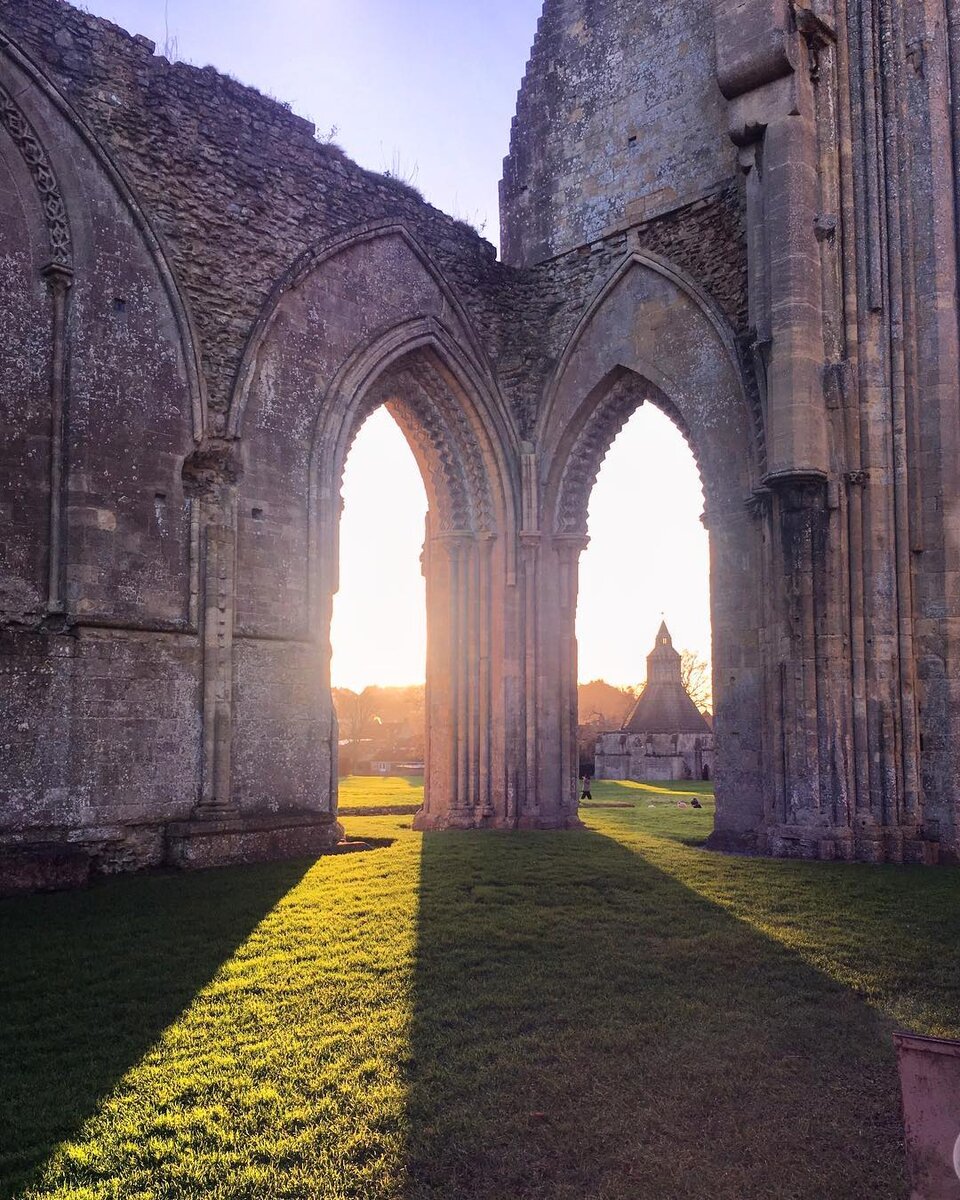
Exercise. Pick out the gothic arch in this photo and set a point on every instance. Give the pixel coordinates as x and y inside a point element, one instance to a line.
<point>317,364</point>
<point>604,414</point>
<point>31,109</point>
<point>44,177</point>
<point>111,289</point>
<point>464,346</point>
<point>651,336</point>
<point>95,433</point>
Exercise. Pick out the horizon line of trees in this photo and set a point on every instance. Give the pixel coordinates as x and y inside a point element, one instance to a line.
<point>362,715</point>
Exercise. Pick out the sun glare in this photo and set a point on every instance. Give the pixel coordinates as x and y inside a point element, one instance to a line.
<point>379,632</point>
<point>648,557</point>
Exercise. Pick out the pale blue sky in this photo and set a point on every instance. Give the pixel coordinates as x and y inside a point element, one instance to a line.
<point>430,86</point>
<point>432,83</point>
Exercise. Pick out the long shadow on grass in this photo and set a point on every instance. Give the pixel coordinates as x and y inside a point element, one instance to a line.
<point>88,981</point>
<point>587,1027</point>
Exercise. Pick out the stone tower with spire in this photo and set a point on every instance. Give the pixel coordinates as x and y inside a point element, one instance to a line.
<point>665,736</point>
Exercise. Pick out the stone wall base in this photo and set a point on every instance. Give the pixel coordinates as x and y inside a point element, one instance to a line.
<point>730,842</point>
<point>67,859</point>
<point>870,845</point>
<point>429,822</point>
<point>42,867</point>
<point>250,838</point>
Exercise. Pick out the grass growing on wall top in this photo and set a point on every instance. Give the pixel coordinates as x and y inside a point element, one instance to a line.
<point>613,1014</point>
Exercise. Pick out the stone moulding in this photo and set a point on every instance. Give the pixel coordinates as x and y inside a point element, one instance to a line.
<point>158,251</point>
<point>310,261</point>
<point>44,178</point>
<point>660,266</point>
<point>229,839</point>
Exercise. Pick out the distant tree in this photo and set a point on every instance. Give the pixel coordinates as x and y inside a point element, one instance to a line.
<point>602,705</point>
<point>358,713</point>
<point>695,677</point>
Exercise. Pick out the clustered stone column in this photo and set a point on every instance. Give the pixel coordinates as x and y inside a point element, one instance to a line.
<point>459,791</point>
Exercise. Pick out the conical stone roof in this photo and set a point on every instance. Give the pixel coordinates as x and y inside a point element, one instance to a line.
<point>664,705</point>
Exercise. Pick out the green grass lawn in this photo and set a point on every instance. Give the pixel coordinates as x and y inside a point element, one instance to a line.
<point>372,791</point>
<point>615,1014</point>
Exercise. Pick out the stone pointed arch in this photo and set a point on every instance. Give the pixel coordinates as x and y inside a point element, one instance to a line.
<point>666,343</point>
<point>110,414</point>
<point>99,405</point>
<point>312,261</point>
<point>35,104</point>
<point>587,442</point>
<point>651,336</point>
<point>463,423</point>
<point>361,322</point>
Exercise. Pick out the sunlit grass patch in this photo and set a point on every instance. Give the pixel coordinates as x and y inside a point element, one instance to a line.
<point>373,791</point>
<point>608,1014</point>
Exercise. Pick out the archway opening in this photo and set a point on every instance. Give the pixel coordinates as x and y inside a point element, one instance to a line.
<point>451,534</point>
<point>379,625</point>
<point>643,614</point>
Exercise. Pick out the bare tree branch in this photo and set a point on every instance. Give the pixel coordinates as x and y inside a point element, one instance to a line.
<point>695,677</point>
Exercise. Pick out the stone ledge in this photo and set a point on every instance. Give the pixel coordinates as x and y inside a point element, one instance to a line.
<point>246,838</point>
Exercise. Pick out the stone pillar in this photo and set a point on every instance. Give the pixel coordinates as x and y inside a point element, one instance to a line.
<point>528,806</point>
<point>803,519</point>
<point>455,668</point>
<point>568,550</point>
<point>778,67</point>
<point>485,806</point>
<point>210,477</point>
<point>218,531</point>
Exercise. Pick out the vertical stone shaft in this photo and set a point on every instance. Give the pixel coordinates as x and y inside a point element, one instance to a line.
<point>796,427</point>
<point>568,553</point>
<point>531,672</point>
<point>58,282</point>
<point>219,573</point>
<point>900,242</point>
<point>484,605</point>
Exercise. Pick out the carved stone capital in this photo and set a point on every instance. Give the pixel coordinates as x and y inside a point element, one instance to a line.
<point>799,490</point>
<point>570,545</point>
<point>454,542</point>
<point>59,277</point>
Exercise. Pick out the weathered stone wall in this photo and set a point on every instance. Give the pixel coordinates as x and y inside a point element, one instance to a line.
<point>237,186</point>
<point>654,757</point>
<point>619,119</point>
<point>181,200</point>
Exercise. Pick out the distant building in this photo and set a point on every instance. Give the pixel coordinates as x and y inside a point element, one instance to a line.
<point>665,736</point>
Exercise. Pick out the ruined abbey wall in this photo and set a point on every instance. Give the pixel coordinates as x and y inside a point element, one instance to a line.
<point>186,198</point>
<point>741,211</point>
<point>619,119</point>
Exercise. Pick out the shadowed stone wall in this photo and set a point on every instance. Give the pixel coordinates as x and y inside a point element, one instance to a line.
<point>619,119</point>
<point>728,210</point>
